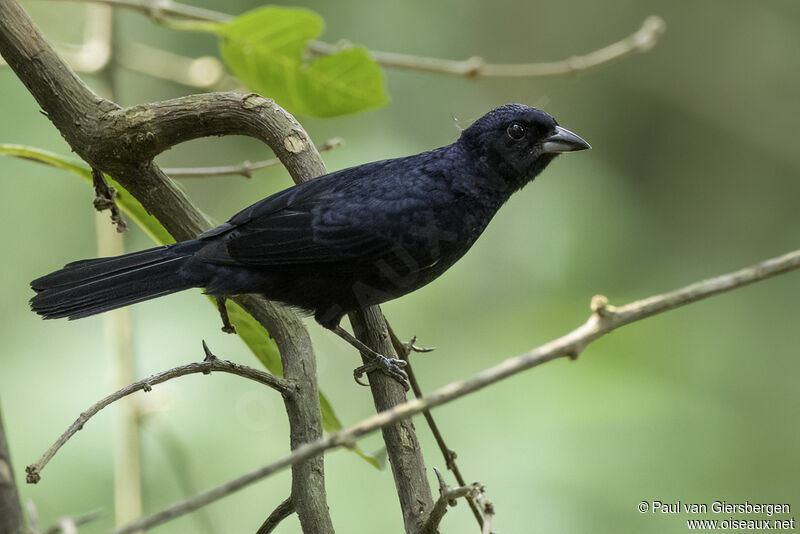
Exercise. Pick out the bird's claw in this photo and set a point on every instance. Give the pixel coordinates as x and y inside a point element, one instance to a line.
<point>391,367</point>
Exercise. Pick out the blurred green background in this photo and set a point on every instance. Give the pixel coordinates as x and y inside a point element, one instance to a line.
<point>693,173</point>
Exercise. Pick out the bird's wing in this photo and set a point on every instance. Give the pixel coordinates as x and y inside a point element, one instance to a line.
<point>319,221</point>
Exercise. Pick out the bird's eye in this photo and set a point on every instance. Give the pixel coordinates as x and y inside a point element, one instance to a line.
<point>516,131</point>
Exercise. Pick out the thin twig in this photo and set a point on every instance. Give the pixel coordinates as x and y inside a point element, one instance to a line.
<point>640,41</point>
<point>281,512</point>
<point>245,168</point>
<point>104,199</point>
<point>404,350</point>
<point>207,366</point>
<point>604,319</point>
<point>475,67</point>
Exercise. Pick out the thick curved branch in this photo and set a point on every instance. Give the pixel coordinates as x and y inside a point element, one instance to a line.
<point>209,365</point>
<point>640,41</point>
<point>604,319</point>
<point>150,129</point>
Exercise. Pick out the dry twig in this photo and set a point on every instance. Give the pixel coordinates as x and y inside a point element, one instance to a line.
<point>405,350</point>
<point>210,364</point>
<point>447,497</point>
<point>640,41</point>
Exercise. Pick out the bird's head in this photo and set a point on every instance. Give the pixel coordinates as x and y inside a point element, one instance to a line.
<point>516,142</point>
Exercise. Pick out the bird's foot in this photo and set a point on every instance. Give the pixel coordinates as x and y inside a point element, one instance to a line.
<point>391,367</point>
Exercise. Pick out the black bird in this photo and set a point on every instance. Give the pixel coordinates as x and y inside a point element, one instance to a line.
<point>349,239</point>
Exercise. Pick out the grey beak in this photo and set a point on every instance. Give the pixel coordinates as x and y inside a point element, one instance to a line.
<point>563,141</point>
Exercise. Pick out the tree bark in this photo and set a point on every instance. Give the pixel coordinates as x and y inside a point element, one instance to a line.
<point>402,445</point>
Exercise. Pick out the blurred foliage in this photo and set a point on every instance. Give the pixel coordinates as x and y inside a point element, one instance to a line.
<point>693,173</point>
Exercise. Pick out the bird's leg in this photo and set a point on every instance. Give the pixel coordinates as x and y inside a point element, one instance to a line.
<point>389,366</point>
<point>227,327</point>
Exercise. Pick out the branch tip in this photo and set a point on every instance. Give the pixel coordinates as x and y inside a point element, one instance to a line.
<point>652,28</point>
<point>32,474</point>
<point>601,307</point>
<point>210,357</point>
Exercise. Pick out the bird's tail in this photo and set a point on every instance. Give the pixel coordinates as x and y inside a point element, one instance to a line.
<point>88,287</point>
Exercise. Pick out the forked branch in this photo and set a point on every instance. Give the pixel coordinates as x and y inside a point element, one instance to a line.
<point>207,366</point>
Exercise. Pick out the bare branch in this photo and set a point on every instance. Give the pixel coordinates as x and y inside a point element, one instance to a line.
<point>245,168</point>
<point>475,67</point>
<point>281,512</point>
<point>642,40</point>
<point>604,319</point>
<point>210,364</point>
<point>400,437</point>
<point>404,350</point>
<point>153,128</point>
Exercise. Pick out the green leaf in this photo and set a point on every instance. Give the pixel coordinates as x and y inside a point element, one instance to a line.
<point>346,82</point>
<point>265,49</point>
<point>250,331</point>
